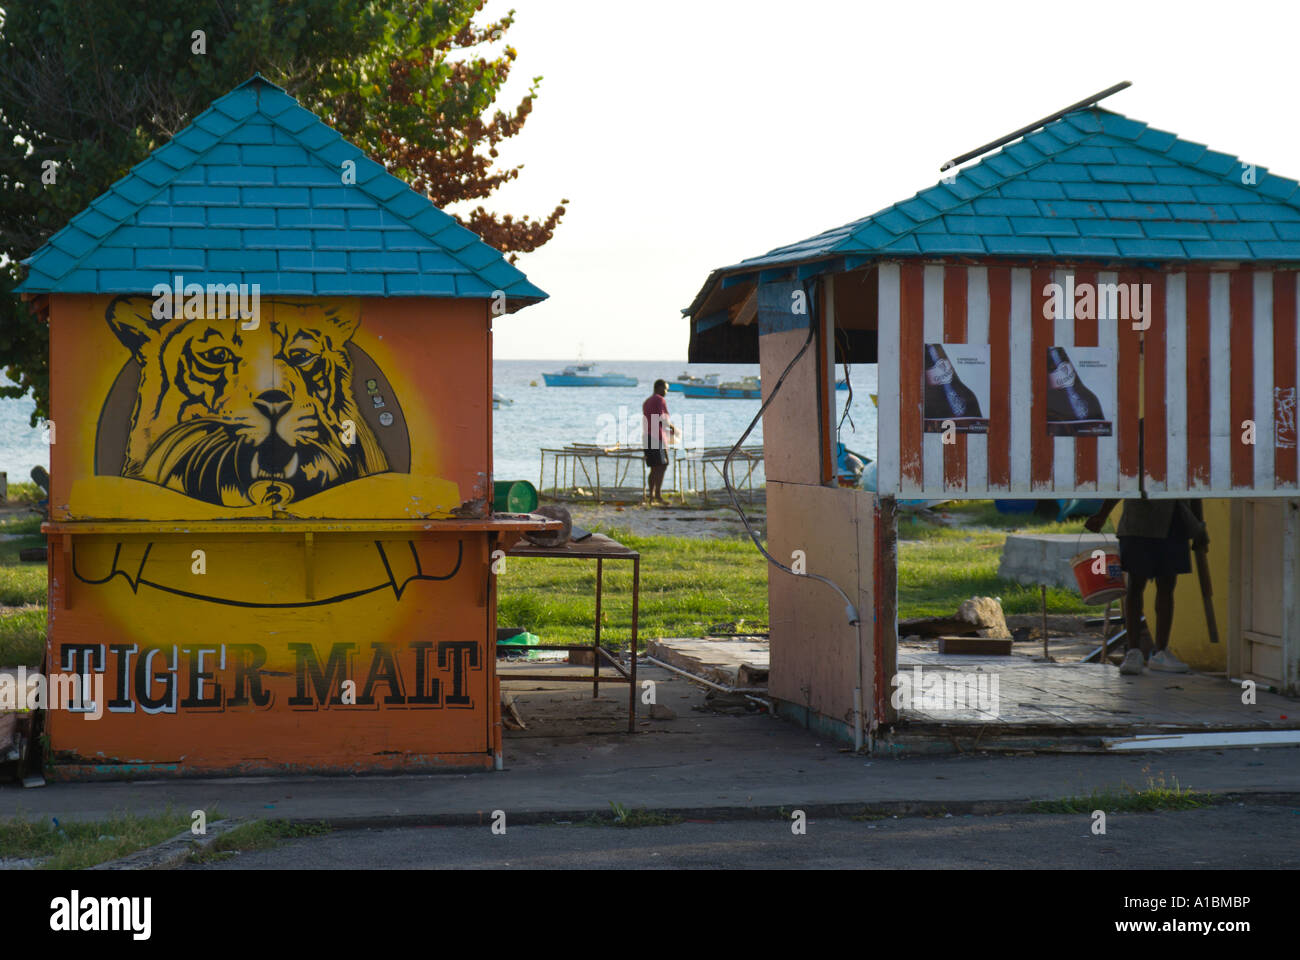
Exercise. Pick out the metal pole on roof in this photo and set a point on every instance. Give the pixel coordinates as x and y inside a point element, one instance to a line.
<point>1086,102</point>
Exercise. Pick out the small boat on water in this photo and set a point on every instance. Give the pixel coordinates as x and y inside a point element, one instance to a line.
<point>498,401</point>
<point>747,388</point>
<point>584,375</point>
<point>679,385</point>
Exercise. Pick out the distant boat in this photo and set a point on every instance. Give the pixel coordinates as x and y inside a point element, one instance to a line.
<point>748,388</point>
<point>679,385</point>
<point>584,375</point>
<point>498,400</point>
<point>841,384</point>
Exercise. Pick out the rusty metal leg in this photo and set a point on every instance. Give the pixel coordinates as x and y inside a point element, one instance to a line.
<point>595,647</point>
<point>633,691</point>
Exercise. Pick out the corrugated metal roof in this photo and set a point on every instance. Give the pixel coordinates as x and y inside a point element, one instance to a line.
<point>253,191</point>
<point>1093,184</point>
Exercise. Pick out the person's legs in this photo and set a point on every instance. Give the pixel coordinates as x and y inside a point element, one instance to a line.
<point>1133,611</point>
<point>657,482</point>
<point>1164,609</point>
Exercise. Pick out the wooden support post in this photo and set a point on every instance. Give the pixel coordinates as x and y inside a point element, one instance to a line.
<point>632,645</point>
<point>595,647</point>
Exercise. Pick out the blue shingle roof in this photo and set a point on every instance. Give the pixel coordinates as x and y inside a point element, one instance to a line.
<point>253,191</point>
<point>1091,184</point>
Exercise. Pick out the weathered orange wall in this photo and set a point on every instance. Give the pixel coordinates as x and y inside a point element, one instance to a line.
<point>386,569</point>
<point>813,647</point>
<point>421,717</point>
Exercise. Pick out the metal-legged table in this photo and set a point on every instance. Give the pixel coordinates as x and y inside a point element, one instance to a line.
<point>599,548</point>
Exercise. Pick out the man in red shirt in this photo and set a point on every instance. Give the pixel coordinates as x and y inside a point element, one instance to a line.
<point>657,429</point>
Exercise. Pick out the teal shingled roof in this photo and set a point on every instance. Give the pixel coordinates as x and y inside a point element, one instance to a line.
<point>1091,185</point>
<point>252,192</point>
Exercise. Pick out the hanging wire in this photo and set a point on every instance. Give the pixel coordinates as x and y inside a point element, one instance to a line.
<point>850,610</point>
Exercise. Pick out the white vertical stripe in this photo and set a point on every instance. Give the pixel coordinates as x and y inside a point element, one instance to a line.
<point>932,443</point>
<point>1021,325</point>
<point>1063,476</point>
<point>1221,434</point>
<point>1176,380</point>
<point>1108,447</point>
<point>887,432</point>
<point>1296,320</point>
<point>977,331</point>
<point>1263,399</point>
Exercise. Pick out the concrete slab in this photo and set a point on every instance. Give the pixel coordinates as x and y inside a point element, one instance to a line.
<point>1082,698</point>
<point>732,662</point>
<point>1045,558</point>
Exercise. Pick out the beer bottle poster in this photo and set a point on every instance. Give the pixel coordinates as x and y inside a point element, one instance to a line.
<point>956,387</point>
<point>1080,391</point>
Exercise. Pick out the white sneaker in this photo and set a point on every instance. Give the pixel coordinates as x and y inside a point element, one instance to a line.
<point>1133,663</point>
<point>1166,661</point>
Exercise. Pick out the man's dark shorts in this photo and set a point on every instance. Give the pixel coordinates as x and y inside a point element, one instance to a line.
<point>656,456</point>
<point>1152,557</point>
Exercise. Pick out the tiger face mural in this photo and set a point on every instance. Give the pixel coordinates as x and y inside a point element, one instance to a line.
<point>239,417</point>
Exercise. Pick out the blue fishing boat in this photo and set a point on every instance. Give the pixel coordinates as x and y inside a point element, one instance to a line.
<point>748,388</point>
<point>679,385</point>
<point>584,375</point>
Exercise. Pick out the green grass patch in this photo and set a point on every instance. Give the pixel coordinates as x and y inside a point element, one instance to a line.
<point>940,565</point>
<point>78,845</point>
<point>1157,796</point>
<point>22,638</point>
<point>25,491</point>
<point>23,585</point>
<point>26,523</point>
<point>257,835</point>
<point>21,582</point>
<point>623,816</point>
<point>688,586</point>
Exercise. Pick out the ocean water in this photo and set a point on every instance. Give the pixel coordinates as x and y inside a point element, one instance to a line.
<point>542,416</point>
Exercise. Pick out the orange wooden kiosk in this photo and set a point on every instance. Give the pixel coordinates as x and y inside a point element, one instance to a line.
<point>271,525</point>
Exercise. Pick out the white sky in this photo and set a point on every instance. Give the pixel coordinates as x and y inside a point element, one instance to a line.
<point>690,135</point>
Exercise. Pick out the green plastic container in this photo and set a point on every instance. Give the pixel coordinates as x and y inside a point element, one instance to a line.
<point>514,496</point>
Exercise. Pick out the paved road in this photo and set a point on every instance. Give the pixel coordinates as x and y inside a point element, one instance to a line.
<point>1232,837</point>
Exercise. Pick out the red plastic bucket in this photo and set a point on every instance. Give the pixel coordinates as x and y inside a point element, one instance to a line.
<point>1098,588</point>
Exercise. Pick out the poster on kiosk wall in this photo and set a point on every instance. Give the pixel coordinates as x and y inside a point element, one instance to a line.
<point>1080,391</point>
<point>956,387</point>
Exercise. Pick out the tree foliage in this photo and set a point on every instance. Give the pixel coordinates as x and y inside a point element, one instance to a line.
<point>95,85</point>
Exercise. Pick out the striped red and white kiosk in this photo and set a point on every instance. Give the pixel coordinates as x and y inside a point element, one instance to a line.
<point>1097,309</point>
